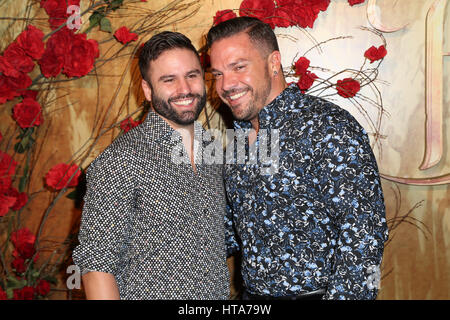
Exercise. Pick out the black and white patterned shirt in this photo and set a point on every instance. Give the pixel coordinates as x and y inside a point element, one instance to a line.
<point>157,226</point>
<point>319,222</point>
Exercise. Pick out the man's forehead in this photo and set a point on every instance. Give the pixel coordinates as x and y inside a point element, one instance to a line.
<point>175,60</point>
<point>240,41</point>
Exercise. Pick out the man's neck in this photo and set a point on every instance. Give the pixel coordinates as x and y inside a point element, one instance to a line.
<point>277,88</point>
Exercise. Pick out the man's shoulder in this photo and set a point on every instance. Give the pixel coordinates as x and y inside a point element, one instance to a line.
<point>321,113</point>
<point>123,151</point>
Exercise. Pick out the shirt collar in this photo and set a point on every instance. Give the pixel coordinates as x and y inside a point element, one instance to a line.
<point>272,110</point>
<point>158,130</point>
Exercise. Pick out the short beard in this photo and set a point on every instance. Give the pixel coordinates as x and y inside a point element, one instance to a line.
<point>164,108</point>
<point>259,98</point>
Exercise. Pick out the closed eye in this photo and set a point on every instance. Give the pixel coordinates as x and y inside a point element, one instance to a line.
<point>239,67</point>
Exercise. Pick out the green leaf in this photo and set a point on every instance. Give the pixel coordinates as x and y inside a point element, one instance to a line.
<point>15,283</point>
<point>23,183</point>
<point>115,4</point>
<point>73,195</point>
<point>25,141</point>
<point>95,19</point>
<point>18,148</point>
<point>10,293</point>
<point>35,275</point>
<point>25,144</point>
<point>105,25</point>
<point>51,279</point>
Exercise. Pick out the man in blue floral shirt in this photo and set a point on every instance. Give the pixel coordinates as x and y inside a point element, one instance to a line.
<point>314,227</point>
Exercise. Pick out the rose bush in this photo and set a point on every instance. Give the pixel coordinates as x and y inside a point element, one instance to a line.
<point>77,64</point>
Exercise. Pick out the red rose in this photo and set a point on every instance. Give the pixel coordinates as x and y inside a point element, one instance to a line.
<point>30,40</point>
<point>30,94</point>
<point>43,288</point>
<point>7,168</point>
<point>353,2</point>
<point>57,10</point>
<point>374,54</point>
<point>21,198</point>
<point>348,87</point>
<point>58,176</point>
<point>3,295</point>
<point>124,36</point>
<point>26,293</point>
<point>61,42</point>
<point>51,65</point>
<point>223,15</point>
<point>317,5</point>
<point>6,91</point>
<point>306,81</point>
<point>54,55</point>
<point>19,265</point>
<point>128,124</point>
<point>262,9</point>
<point>78,63</point>
<point>6,202</point>
<point>7,164</point>
<point>301,65</point>
<point>304,16</point>
<point>82,56</point>
<point>23,241</point>
<point>28,113</point>
<point>5,184</point>
<point>18,84</point>
<point>17,57</point>
<point>282,17</point>
<point>7,68</point>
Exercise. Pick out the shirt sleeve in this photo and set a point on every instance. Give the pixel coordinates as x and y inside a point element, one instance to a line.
<point>354,196</point>
<point>232,245</point>
<point>230,233</point>
<point>104,222</point>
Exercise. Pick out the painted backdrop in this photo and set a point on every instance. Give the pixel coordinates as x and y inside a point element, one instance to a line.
<point>402,100</point>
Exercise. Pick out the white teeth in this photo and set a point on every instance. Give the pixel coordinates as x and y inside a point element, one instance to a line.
<point>237,96</point>
<point>184,102</point>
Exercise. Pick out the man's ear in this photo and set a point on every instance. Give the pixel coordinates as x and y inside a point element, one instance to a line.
<point>274,61</point>
<point>147,90</point>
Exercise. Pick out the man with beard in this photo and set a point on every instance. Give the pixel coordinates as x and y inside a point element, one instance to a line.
<point>152,228</point>
<point>314,228</point>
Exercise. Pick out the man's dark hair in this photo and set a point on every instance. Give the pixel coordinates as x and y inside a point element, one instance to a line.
<point>260,33</point>
<point>153,48</point>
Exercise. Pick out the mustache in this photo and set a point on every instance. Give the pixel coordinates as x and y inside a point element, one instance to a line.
<point>184,96</point>
<point>228,93</point>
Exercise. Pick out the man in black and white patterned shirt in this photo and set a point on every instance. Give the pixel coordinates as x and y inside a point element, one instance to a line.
<point>152,227</point>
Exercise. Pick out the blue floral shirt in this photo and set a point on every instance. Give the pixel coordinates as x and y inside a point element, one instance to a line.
<point>319,222</point>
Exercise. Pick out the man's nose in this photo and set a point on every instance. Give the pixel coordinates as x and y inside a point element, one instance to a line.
<point>183,87</point>
<point>229,82</point>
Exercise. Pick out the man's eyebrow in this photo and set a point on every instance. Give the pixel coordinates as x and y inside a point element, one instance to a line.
<point>170,76</point>
<point>196,71</point>
<point>231,65</point>
<point>166,76</point>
